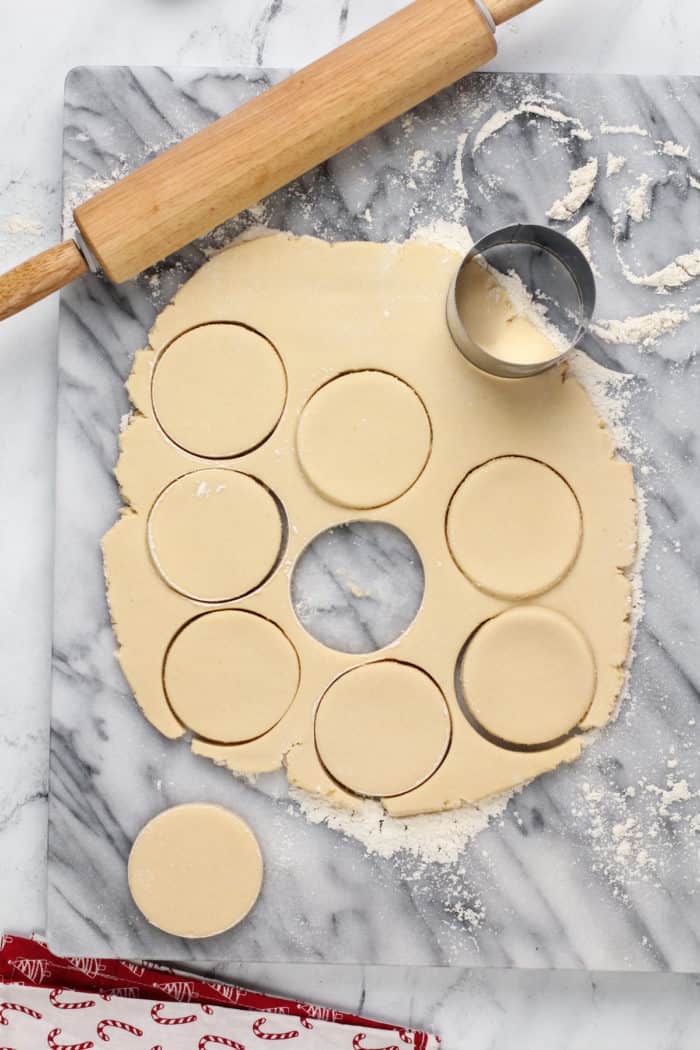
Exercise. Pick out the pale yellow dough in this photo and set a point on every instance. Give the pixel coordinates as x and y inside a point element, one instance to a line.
<point>219,390</point>
<point>528,676</point>
<point>343,310</point>
<point>230,676</point>
<point>514,527</point>
<point>214,534</point>
<point>382,729</point>
<point>363,439</point>
<point>496,324</point>
<point>195,870</point>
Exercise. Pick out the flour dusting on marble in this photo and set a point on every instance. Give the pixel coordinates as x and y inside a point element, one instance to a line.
<point>644,330</point>
<point>679,272</point>
<point>615,164</point>
<point>436,838</point>
<point>637,201</point>
<point>534,107</point>
<point>581,185</point>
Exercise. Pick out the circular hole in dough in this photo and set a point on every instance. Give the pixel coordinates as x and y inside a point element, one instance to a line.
<point>195,870</point>
<point>514,527</point>
<point>528,676</point>
<point>358,587</point>
<point>215,534</point>
<point>219,390</point>
<point>382,729</point>
<point>363,439</point>
<point>230,675</point>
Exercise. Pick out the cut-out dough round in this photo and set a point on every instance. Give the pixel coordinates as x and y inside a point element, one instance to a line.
<point>382,729</point>
<point>363,439</point>
<point>219,390</point>
<point>215,534</point>
<point>528,676</point>
<point>514,527</point>
<point>195,870</point>
<point>230,675</point>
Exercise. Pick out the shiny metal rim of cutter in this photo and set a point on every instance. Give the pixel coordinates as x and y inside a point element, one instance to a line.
<point>541,239</point>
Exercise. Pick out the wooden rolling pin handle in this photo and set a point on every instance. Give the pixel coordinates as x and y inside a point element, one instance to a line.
<point>503,10</point>
<point>267,142</point>
<point>40,276</point>
<point>284,132</point>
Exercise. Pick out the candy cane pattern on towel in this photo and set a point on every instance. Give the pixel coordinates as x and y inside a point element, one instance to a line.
<point>121,1025</point>
<point>258,1026</point>
<point>357,1043</point>
<point>207,1009</point>
<point>306,1022</point>
<point>219,1040</point>
<point>158,1008</point>
<point>66,1046</point>
<point>54,1000</point>
<point>18,1008</point>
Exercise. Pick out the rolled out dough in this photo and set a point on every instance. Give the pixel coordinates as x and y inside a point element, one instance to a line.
<point>363,439</point>
<point>230,675</point>
<point>497,324</point>
<point>382,729</point>
<point>219,390</point>
<point>195,870</point>
<point>214,534</point>
<point>370,366</point>
<point>528,676</point>
<point>514,527</point>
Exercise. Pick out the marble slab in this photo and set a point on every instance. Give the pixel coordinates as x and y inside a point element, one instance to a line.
<point>592,867</point>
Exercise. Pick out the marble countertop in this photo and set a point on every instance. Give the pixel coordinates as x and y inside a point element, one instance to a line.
<point>481,1009</point>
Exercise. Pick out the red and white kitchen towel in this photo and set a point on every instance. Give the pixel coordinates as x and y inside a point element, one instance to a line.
<point>85,1004</point>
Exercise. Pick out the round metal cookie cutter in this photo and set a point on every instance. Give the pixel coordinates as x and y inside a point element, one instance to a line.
<point>553,272</point>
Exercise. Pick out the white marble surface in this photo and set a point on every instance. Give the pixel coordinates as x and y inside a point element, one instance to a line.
<point>490,1008</point>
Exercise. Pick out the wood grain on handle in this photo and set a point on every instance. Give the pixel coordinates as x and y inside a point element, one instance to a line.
<point>277,136</point>
<point>503,10</point>
<point>38,277</point>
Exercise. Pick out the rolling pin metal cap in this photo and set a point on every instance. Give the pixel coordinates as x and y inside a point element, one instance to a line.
<point>551,272</point>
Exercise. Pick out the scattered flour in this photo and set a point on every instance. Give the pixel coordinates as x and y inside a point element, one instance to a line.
<point>452,235</point>
<point>638,199</point>
<point>422,159</point>
<point>674,149</point>
<point>580,234</point>
<point>615,164</point>
<point>462,191</point>
<point>88,188</point>
<point>437,838</point>
<point>681,271</point>
<point>644,331</point>
<point>581,185</point>
<point>536,107</point>
<point>623,129</point>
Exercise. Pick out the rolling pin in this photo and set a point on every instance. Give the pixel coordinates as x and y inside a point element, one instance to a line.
<point>312,115</point>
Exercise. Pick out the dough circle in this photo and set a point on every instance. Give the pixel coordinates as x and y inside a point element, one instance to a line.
<point>382,729</point>
<point>363,439</point>
<point>528,676</point>
<point>195,870</point>
<point>514,527</point>
<point>230,675</point>
<point>219,390</point>
<point>215,534</point>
